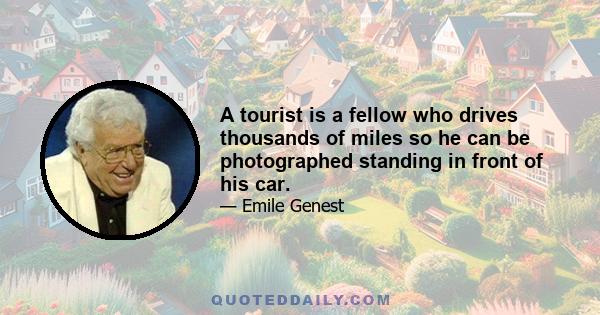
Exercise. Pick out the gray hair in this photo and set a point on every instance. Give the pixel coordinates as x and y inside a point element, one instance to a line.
<point>106,106</point>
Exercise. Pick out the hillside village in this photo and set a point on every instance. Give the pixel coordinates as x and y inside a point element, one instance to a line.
<point>459,241</point>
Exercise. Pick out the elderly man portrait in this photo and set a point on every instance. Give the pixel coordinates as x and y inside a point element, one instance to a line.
<point>105,180</point>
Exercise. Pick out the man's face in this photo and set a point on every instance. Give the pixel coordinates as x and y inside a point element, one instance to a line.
<point>114,179</point>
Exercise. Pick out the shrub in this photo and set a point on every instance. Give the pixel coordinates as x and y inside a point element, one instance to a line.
<point>255,265</point>
<point>420,200</point>
<point>577,296</point>
<point>361,186</point>
<point>507,286</point>
<point>297,232</point>
<point>367,252</point>
<point>402,247</point>
<point>489,270</point>
<point>462,230</point>
<point>501,307</point>
<point>331,268</point>
<point>82,291</point>
<point>542,270</point>
<point>575,24</point>
<point>411,298</point>
<point>439,275</point>
<point>407,309</point>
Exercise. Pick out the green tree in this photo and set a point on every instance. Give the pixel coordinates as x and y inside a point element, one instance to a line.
<point>420,200</point>
<point>462,230</point>
<point>439,275</point>
<point>588,139</point>
<point>565,212</point>
<point>576,24</point>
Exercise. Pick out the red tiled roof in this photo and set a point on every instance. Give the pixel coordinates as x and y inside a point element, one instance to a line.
<point>372,29</point>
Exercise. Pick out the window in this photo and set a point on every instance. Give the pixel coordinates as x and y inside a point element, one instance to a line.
<point>180,96</point>
<point>525,53</point>
<point>514,73</point>
<point>54,217</point>
<point>34,187</point>
<point>538,175</point>
<point>71,69</point>
<point>502,72</point>
<point>549,139</point>
<point>530,74</point>
<point>67,82</point>
<point>76,82</point>
<point>150,79</point>
<point>8,209</point>
<point>552,75</point>
<point>163,80</point>
<point>574,63</point>
<point>536,106</point>
<point>524,129</point>
<point>156,66</point>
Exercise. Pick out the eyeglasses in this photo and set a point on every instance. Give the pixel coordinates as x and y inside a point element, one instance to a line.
<point>116,155</point>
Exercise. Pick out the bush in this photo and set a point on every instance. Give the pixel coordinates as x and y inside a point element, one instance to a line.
<point>402,247</point>
<point>507,286</point>
<point>407,309</point>
<point>489,270</point>
<point>297,232</point>
<point>575,24</point>
<point>82,291</point>
<point>327,269</point>
<point>501,307</point>
<point>577,296</point>
<point>255,264</point>
<point>441,276</point>
<point>411,298</point>
<point>420,200</point>
<point>462,230</point>
<point>361,186</point>
<point>367,252</point>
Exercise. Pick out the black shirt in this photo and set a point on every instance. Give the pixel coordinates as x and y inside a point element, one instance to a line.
<point>110,211</point>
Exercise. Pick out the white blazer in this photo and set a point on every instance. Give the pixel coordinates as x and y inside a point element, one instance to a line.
<point>147,206</point>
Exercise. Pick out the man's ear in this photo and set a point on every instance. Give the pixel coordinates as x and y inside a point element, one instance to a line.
<point>80,152</point>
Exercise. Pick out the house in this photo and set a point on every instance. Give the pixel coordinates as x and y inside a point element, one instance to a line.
<point>130,10</point>
<point>23,199</point>
<point>236,33</point>
<point>551,113</point>
<point>369,14</point>
<point>85,69</point>
<point>189,43</point>
<point>317,45</point>
<point>519,19</point>
<point>18,73</point>
<point>279,14</point>
<point>327,85</point>
<point>272,37</point>
<point>27,34</point>
<point>228,14</point>
<point>452,37</point>
<point>413,50</point>
<point>372,31</point>
<point>227,47</point>
<point>393,9</point>
<point>24,6</point>
<point>313,11</point>
<point>511,57</point>
<point>76,21</point>
<point>181,76</point>
<point>579,58</point>
<point>163,19</point>
<point>387,38</point>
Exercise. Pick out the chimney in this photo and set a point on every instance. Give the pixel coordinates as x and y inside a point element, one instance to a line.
<point>21,97</point>
<point>158,46</point>
<point>78,58</point>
